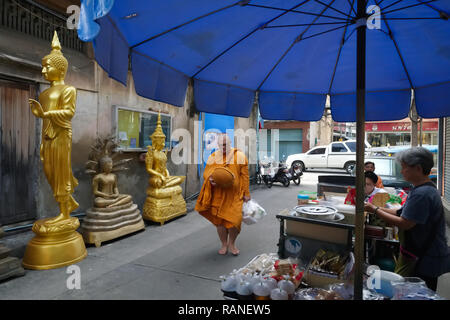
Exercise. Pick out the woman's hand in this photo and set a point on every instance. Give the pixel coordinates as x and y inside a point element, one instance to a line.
<point>369,207</point>
<point>211,180</point>
<point>246,199</point>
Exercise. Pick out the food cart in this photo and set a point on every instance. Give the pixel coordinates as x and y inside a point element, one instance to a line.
<point>315,260</point>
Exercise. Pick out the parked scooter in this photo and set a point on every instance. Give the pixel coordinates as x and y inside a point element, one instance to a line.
<point>271,173</point>
<point>295,172</point>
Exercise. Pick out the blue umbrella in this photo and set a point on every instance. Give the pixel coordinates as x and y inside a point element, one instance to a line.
<point>367,56</point>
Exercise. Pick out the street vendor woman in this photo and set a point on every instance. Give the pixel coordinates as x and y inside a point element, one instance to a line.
<point>225,189</point>
<point>421,221</point>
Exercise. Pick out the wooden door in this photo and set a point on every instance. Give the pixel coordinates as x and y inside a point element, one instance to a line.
<point>19,153</point>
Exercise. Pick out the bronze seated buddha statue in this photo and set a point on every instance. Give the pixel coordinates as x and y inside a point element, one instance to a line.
<point>114,214</point>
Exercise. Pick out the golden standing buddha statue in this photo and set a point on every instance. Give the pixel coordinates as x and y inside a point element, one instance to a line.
<point>164,199</point>
<point>114,214</point>
<point>56,244</point>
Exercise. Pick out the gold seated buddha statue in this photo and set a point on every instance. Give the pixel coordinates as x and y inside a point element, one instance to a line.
<point>164,199</point>
<point>114,214</point>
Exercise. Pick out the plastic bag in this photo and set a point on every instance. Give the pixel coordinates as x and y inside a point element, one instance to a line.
<point>252,212</point>
<point>408,290</point>
<point>316,294</point>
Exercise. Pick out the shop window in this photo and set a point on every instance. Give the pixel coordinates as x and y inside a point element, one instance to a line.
<point>134,128</point>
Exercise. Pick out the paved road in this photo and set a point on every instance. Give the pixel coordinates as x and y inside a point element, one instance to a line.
<point>176,261</point>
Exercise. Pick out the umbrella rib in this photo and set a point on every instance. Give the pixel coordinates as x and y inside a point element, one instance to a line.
<point>306,24</point>
<point>391,35</point>
<point>351,6</point>
<point>327,31</point>
<point>183,24</point>
<point>245,37</point>
<point>419,18</point>
<point>436,9</point>
<point>324,4</point>
<point>295,11</point>
<point>410,6</point>
<point>339,53</point>
<point>392,4</point>
<point>290,47</point>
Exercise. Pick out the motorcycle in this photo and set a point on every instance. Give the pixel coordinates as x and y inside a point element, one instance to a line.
<point>295,172</point>
<point>270,173</point>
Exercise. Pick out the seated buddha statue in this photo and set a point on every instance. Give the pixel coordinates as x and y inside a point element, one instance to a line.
<point>164,200</point>
<point>114,214</point>
<point>104,187</point>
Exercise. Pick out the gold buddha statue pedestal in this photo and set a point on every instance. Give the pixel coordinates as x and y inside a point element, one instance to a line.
<point>162,205</point>
<point>9,266</point>
<point>164,199</point>
<point>55,245</point>
<point>104,224</point>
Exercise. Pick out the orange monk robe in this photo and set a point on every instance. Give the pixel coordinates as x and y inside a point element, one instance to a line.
<point>224,206</point>
<point>379,183</point>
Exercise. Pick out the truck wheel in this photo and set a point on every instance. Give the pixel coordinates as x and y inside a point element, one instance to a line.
<point>300,164</point>
<point>349,166</point>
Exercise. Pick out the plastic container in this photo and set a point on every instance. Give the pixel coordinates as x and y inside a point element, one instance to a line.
<point>302,199</point>
<point>386,279</point>
<point>311,195</point>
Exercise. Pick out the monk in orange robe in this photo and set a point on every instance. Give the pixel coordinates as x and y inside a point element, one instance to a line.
<point>370,166</point>
<point>223,206</point>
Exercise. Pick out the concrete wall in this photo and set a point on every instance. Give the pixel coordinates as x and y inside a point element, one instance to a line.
<point>20,58</point>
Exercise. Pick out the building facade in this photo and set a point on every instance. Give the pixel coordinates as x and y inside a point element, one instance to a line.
<point>104,107</point>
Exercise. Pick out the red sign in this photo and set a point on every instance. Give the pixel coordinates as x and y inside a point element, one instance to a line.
<point>399,126</point>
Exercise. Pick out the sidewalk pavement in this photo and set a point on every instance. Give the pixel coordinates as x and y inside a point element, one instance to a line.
<point>178,260</point>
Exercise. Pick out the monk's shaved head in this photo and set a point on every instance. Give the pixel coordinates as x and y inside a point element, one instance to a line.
<point>224,142</point>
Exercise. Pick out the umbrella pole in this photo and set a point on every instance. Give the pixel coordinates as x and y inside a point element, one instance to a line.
<point>360,149</point>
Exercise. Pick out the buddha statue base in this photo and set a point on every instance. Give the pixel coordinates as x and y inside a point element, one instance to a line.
<point>104,224</point>
<point>55,245</point>
<point>163,205</point>
<point>9,266</point>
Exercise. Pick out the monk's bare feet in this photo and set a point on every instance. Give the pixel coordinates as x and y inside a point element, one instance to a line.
<point>223,250</point>
<point>235,251</point>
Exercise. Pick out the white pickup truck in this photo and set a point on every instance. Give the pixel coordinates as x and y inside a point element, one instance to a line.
<point>337,155</point>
